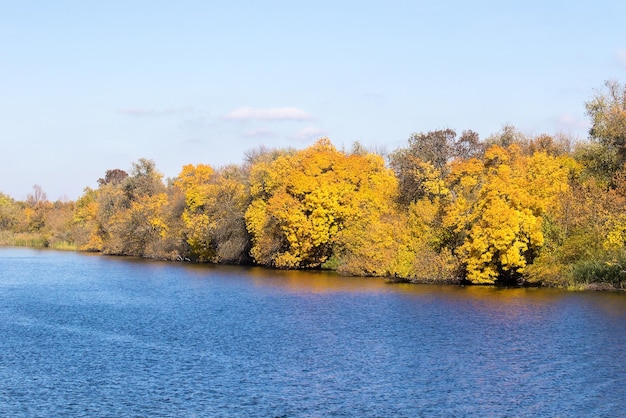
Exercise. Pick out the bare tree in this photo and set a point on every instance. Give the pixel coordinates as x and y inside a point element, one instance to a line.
<point>38,196</point>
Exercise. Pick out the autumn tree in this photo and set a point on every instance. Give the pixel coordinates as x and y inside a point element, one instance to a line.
<point>369,243</point>
<point>37,205</point>
<point>145,180</point>
<point>131,214</point>
<point>316,203</point>
<point>506,137</point>
<point>213,218</point>
<point>59,220</point>
<point>607,111</point>
<point>468,145</point>
<point>115,176</point>
<point>497,207</point>
<point>421,255</point>
<point>424,162</point>
<point>195,184</point>
<point>11,218</point>
<point>232,197</point>
<point>86,224</point>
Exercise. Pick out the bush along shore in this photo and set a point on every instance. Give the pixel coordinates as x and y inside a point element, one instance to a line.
<point>510,209</point>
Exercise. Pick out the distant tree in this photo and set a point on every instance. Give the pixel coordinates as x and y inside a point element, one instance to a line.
<point>145,180</point>
<point>263,154</point>
<point>128,214</point>
<point>422,166</point>
<point>114,176</point>
<point>232,200</point>
<point>549,144</point>
<point>607,110</point>
<point>37,197</point>
<point>435,147</point>
<point>604,158</point>
<point>598,161</point>
<point>87,229</point>
<point>195,182</point>
<point>507,136</point>
<point>468,145</point>
<point>9,213</point>
<point>37,205</point>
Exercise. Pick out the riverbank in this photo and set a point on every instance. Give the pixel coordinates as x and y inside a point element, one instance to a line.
<point>30,240</point>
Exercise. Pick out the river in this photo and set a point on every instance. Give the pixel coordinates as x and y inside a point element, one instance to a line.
<point>88,335</point>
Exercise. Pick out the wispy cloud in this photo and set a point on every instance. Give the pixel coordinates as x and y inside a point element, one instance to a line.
<point>309,133</point>
<point>143,112</point>
<point>276,113</point>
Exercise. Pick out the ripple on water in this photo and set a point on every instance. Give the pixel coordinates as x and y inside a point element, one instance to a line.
<point>98,336</point>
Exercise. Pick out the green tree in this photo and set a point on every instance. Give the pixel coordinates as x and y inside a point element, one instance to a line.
<point>607,110</point>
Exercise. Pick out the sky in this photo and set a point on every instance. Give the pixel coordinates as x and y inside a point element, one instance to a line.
<point>88,86</point>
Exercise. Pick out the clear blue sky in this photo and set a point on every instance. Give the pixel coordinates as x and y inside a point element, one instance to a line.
<point>87,86</point>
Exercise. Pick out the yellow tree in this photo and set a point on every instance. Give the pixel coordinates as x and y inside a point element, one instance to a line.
<point>132,213</point>
<point>85,222</point>
<point>213,218</point>
<point>139,229</point>
<point>497,209</point>
<point>195,182</point>
<point>314,203</point>
<point>616,238</point>
<point>369,241</point>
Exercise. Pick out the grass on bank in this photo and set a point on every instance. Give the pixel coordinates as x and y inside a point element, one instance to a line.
<point>35,240</point>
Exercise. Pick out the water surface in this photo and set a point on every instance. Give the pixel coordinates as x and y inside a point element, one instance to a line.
<point>86,335</point>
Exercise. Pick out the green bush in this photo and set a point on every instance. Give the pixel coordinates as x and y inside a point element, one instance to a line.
<point>598,271</point>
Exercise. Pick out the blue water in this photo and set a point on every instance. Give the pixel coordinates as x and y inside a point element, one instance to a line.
<point>86,335</point>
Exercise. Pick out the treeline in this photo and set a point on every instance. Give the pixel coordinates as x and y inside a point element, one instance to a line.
<point>446,208</point>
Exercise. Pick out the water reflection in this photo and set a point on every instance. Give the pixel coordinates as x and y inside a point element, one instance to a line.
<point>129,337</point>
<point>314,281</point>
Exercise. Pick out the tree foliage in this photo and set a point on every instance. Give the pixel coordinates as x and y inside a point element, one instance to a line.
<point>607,111</point>
<point>497,207</point>
<point>213,218</point>
<point>305,205</point>
<point>512,209</point>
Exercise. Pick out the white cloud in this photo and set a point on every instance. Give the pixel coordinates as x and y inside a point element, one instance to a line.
<point>276,113</point>
<point>309,133</point>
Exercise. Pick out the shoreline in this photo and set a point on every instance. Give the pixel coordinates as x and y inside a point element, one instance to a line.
<point>575,287</point>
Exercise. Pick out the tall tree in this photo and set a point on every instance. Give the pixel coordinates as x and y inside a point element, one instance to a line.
<point>213,218</point>
<point>425,161</point>
<point>497,207</point>
<point>131,212</point>
<point>607,110</point>
<point>115,176</point>
<point>316,203</point>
